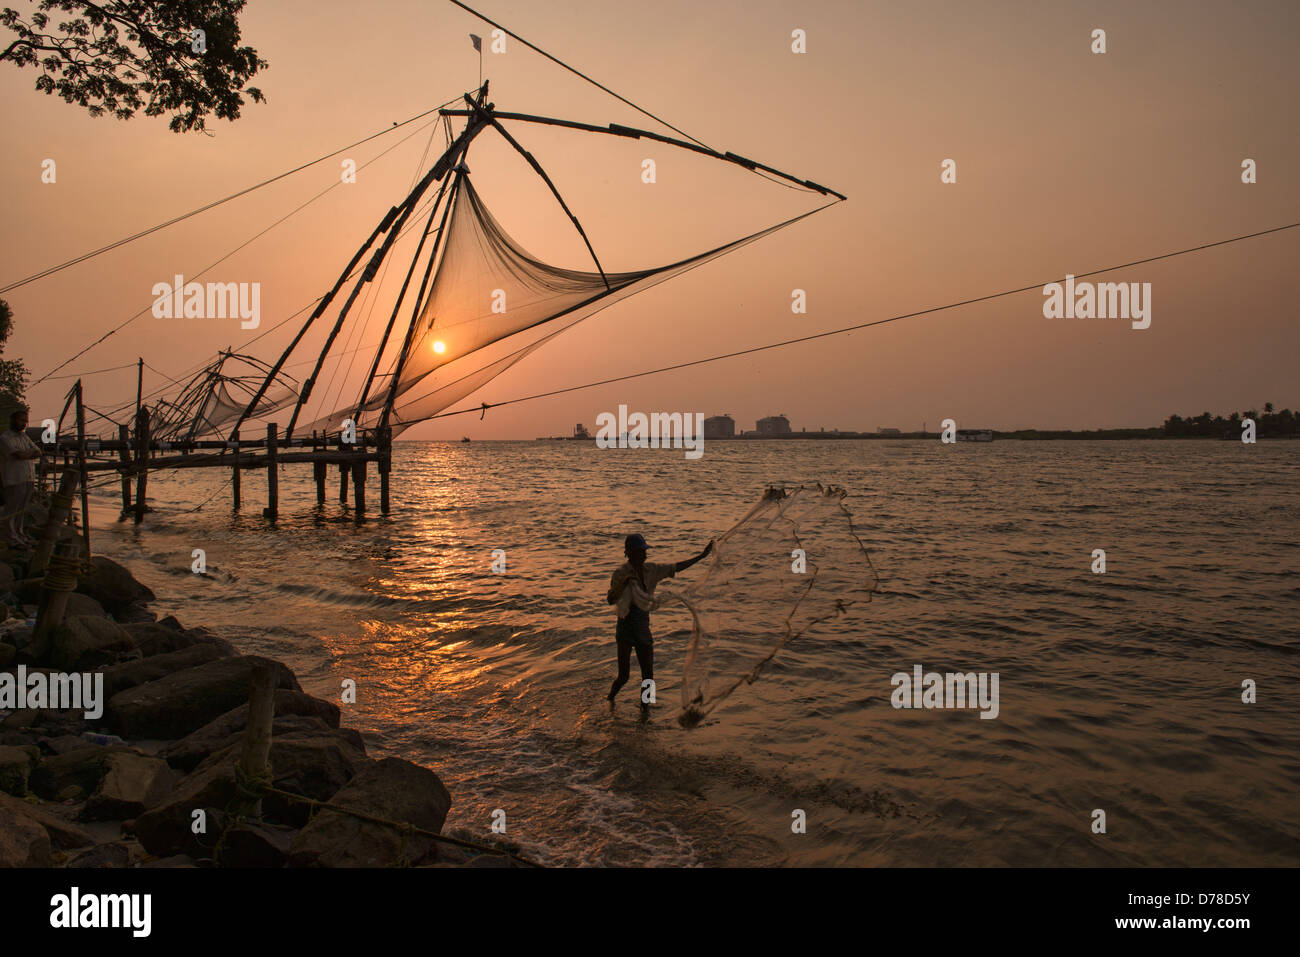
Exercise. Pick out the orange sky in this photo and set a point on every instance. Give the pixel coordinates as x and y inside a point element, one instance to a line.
<point>1066,161</point>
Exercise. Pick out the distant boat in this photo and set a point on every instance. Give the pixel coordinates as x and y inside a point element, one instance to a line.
<point>974,435</point>
<point>580,433</point>
<point>465,439</point>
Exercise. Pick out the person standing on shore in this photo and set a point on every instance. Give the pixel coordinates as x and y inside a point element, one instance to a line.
<point>19,477</point>
<point>631,590</point>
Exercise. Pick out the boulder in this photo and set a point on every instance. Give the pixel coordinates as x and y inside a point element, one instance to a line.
<point>23,841</point>
<point>203,635</point>
<point>84,643</point>
<point>136,613</point>
<point>152,638</point>
<point>112,585</point>
<point>217,734</point>
<point>7,578</point>
<point>16,765</point>
<point>83,767</point>
<point>132,783</point>
<point>392,788</point>
<point>83,605</point>
<point>114,854</point>
<point>184,701</point>
<point>129,674</point>
<point>63,833</point>
<point>255,844</point>
<point>311,765</point>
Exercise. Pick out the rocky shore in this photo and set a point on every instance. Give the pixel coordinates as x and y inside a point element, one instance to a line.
<point>148,777</point>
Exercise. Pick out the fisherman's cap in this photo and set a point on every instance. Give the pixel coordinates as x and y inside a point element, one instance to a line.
<point>635,543</point>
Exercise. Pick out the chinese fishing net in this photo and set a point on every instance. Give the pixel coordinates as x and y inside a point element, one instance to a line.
<point>490,304</point>
<point>793,562</point>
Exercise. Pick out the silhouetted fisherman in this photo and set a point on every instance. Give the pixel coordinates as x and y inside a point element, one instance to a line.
<point>631,589</point>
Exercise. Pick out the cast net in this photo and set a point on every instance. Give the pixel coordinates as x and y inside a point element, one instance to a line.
<point>792,563</point>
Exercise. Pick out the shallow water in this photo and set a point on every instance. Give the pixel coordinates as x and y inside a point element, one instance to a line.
<point>1119,692</point>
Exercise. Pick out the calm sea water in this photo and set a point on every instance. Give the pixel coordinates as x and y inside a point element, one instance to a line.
<point>1119,692</point>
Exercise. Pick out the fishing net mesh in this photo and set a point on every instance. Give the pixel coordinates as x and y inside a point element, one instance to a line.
<point>793,562</point>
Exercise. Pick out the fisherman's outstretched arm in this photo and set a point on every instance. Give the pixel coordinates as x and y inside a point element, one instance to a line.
<point>682,566</point>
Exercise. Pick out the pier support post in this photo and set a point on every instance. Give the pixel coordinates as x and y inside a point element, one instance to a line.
<point>124,456</point>
<point>142,461</point>
<point>343,483</point>
<point>385,466</point>
<point>359,488</point>
<point>234,474</point>
<point>272,509</point>
<point>318,470</point>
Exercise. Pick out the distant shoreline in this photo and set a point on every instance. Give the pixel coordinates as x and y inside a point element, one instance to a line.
<point>1022,435</point>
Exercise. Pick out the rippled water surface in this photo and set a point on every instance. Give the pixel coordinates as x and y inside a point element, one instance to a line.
<point>1120,692</point>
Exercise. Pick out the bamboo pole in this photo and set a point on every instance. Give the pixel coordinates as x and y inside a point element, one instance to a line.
<point>60,509</point>
<point>254,760</point>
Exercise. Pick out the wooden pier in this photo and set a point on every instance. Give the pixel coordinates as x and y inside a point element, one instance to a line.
<point>135,453</point>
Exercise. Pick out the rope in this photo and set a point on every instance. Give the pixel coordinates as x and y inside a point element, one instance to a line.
<point>578,73</point>
<point>256,790</point>
<point>213,205</point>
<point>217,262</point>
<point>483,407</point>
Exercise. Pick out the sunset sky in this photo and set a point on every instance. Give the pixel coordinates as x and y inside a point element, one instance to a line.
<point>1066,161</point>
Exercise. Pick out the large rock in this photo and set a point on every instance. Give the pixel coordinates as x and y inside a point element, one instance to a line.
<point>154,638</point>
<point>203,635</point>
<point>7,578</point>
<point>82,768</point>
<point>16,765</point>
<point>129,674</point>
<point>186,753</point>
<point>184,701</point>
<point>255,844</point>
<point>84,643</point>
<point>112,585</point>
<point>114,854</point>
<point>23,841</point>
<point>63,833</point>
<point>83,605</point>
<point>313,766</point>
<point>393,789</point>
<point>132,784</point>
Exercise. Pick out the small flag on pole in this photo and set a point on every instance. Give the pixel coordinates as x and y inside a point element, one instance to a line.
<point>477,41</point>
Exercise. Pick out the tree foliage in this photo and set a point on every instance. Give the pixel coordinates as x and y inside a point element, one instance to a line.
<point>121,57</point>
<point>1271,423</point>
<point>13,374</point>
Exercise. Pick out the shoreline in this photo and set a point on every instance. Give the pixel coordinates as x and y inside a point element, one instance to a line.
<point>144,769</point>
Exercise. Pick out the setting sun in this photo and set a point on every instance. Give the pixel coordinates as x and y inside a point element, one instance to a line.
<point>440,347</point>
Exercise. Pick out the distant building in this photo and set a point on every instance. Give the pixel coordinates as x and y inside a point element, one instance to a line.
<point>719,427</point>
<point>774,425</point>
<point>888,432</point>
